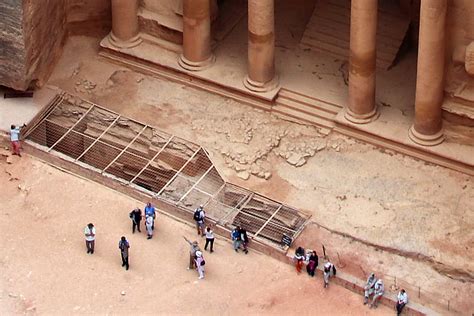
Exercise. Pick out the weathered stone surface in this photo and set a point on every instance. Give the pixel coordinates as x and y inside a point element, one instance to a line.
<point>26,28</point>
<point>12,46</point>
<point>244,175</point>
<point>470,59</point>
<point>89,17</point>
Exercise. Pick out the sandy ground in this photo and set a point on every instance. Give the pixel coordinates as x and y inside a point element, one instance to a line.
<point>375,195</point>
<point>45,270</point>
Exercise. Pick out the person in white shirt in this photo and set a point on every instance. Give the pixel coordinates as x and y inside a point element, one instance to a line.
<point>402,300</point>
<point>209,239</point>
<point>328,268</point>
<point>89,232</point>
<point>199,261</point>
<point>378,293</point>
<point>369,287</point>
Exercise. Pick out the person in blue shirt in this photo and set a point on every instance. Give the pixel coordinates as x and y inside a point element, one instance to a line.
<point>150,211</point>
<point>15,139</point>
<point>236,238</point>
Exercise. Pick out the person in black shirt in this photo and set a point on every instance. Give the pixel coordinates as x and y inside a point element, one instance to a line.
<point>312,264</point>
<point>136,217</point>
<point>245,239</point>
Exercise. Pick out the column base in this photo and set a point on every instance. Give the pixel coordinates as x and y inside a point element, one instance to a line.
<point>261,87</point>
<point>361,118</point>
<point>195,65</point>
<point>118,43</point>
<point>425,140</point>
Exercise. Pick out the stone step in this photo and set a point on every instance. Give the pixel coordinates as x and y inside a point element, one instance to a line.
<point>384,53</point>
<point>187,80</point>
<point>301,107</point>
<point>344,35</point>
<point>300,116</point>
<point>336,51</point>
<point>386,17</point>
<point>404,149</point>
<point>286,96</point>
<point>328,31</point>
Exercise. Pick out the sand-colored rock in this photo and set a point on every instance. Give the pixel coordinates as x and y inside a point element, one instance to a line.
<point>26,28</point>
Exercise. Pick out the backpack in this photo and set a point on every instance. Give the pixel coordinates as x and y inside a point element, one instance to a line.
<point>131,215</point>
<point>197,215</point>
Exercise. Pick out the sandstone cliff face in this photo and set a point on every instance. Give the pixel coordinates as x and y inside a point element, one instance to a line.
<point>12,45</point>
<point>31,38</point>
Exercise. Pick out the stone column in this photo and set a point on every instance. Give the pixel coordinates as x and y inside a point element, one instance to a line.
<point>125,30</point>
<point>361,106</point>
<point>261,46</point>
<point>427,128</point>
<point>197,53</point>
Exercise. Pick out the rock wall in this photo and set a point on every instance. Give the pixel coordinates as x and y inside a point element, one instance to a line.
<point>12,45</point>
<point>460,24</point>
<point>32,34</point>
<point>89,17</point>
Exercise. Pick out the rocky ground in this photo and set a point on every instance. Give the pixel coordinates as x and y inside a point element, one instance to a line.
<point>44,268</point>
<point>377,196</point>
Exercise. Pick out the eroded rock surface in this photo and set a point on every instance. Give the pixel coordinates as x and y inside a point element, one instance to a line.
<point>26,29</point>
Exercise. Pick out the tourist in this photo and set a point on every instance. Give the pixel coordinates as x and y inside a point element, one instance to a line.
<point>199,261</point>
<point>89,232</point>
<point>136,217</point>
<point>150,211</point>
<point>15,139</point>
<point>328,268</point>
<point>192,252</point>
<point>149,223</point>
<point>312,263</point>
<point>369,287</point>
<point>299,259</point>
<point>209,239</point>
<point>199,216</point>
<point>236,238</point>
<point>124,245</point>
<point>402,300</point>
<point>244,240</point>
<point>378,293</point>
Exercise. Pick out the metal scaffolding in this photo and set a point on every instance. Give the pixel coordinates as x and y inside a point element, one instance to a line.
<point>163,166</point>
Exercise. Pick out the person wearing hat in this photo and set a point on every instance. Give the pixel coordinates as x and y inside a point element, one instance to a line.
<point>199,261</point>
<point>369,287</point>
<point>192,252</point>
<point>199,216</point>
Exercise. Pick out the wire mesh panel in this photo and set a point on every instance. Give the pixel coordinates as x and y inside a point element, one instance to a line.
<point>196,198</point>
<point>211,182</point>
<point>166,166</point>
